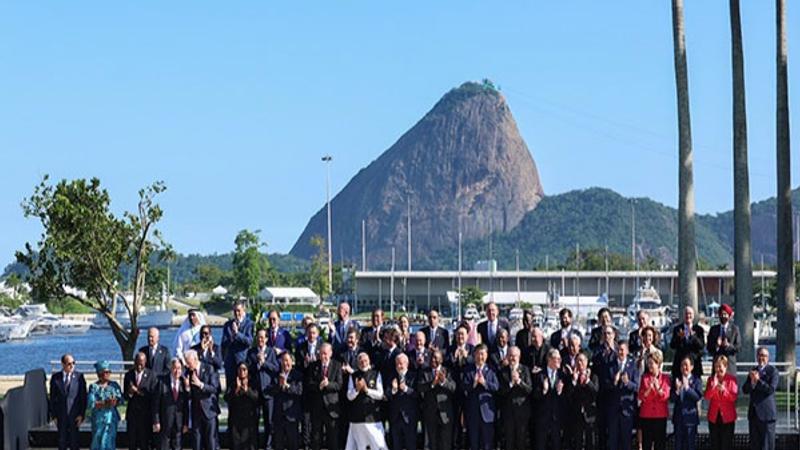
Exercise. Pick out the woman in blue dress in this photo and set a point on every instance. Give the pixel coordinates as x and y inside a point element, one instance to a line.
<point>104,396</point>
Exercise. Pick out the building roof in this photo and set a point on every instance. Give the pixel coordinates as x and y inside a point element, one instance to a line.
<point>507,298</point>
<point>269,293</point>
<point>553,274</point>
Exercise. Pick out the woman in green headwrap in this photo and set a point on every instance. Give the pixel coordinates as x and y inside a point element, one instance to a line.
<point>104,396</point>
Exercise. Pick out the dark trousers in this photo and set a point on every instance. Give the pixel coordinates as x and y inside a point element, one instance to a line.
<point>67,434</point>
<point>721,435</point>
<point>547,435</point>
<point>581,435</point>
<point>762,434</point>
<point>320,421</point>
<point>480,436</point>
<point>404,435</point>
<point>654,433</point>
<point>140,429</point>
<point>266,413</point>
<point>171,437</point>
<point>204,434</point>
<point>515,429</point>
<point>619,431</point>
<point>685,437</point>
<point>438,435</point>
<point>306,429</point>
<point>285,435</point>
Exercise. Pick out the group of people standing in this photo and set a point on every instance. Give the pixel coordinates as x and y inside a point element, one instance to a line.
<point>375,387</point>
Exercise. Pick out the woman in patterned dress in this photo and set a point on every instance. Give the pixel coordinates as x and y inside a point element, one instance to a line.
<point>104,396</point>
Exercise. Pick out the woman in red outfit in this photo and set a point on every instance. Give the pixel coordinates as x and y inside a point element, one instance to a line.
<point>721,393</point>
<point>654,395</point>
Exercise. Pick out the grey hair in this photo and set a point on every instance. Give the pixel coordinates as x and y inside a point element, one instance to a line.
<point>190,354</point>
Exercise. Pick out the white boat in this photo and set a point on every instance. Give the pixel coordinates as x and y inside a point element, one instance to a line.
<point>158,318</point>
<point>648,300</point>
<point>15,329</point>
<point>583,308</point>
<point>48,323</point>
<point>471,313</point>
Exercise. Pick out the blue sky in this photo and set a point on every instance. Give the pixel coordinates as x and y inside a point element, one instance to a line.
<point>232,104</point>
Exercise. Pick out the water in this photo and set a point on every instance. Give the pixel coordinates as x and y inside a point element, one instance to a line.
<point>17,357</point>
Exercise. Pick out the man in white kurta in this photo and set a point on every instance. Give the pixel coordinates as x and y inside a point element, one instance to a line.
<point>365,391</point>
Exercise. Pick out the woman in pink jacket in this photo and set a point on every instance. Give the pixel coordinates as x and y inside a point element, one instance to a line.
<point>654,395</point>
<point>721,393</point>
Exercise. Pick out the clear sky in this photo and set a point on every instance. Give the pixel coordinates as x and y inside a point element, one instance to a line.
<point>232,104</point>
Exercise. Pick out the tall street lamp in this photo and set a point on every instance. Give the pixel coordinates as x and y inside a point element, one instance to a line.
<point>327,160</point>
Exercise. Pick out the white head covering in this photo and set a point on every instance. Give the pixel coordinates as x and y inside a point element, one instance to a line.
<point>188,335</point>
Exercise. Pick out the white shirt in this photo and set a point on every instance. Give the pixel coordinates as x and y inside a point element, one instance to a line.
<point>375,394</point>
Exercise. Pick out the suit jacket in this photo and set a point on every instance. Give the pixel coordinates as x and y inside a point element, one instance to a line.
<point>479,403</point>
<point>302,351</point>
<point>235,346</point>
<point>620,397</point>
<point>692,346</point>
<point>515,399</point>
<point>168,411</point>
<point>212,358</point>
<point>535,357</point>
<point>141,404</point>
<point>733,347</point>
<point>456,364</point>
<point>483,330</point>
<point>437,400</point>
<point>324,400</point>
<point>568,360</point>
<point>288,406</point>
<point>722,403</point>
<point>243,408</point>
<point>383,360</point>
<point>338,336</point>
<point>205,400</point>
<point>158,362</point>
<point>263,375</point>
<point>635,342</point>
<point>685,411</point>
<point>556,338</point>
<point>67,403</point>
<point>402,404</point>
<point>762,395</point>
<point>582,400</point>
<point>280,339</point>
<point>524,339</point>
<point>549,407</point>
<point>413,360</point>
<point>441,338</point>
<point>370,339</point>
<point>496,358</point>
<point>596,338</point>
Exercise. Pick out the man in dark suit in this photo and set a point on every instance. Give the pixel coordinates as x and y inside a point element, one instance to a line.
<point>371,335</point>
<point>535,355</point>
<point>158,356</point>
<point>498,354</point>
<point>67,402</point>
<point>560,338</point>
<point>458,358</point>
<point>263,367</point>
<point>687,339</point>
<point>139,387</point>
<point>420,358</point>
<point>237,338</point>
<point>202,382</point>
<point>307,354</point>
<point>524,337</point>
<point>761,384</point>
<point>604,354</point>
<point>618,388</point>
<point>686,392</point>
<point>437,387</point>
<point>723,338</point>
<point>569,354</point>
<point>337,334</point>
<point>171,408</point>
<point>385,355</point>
<point>208,351</point>
<point>323,386</point>
<point>582,391</point>
<point>549,403</point>
<point>480,384</point>
<point>597,337</point>
<point>488,329</point>
<point>401,393</point>
<point>635,344</point>
<point>515,406</point>
<point>288,394</point>
<point>436,336</point>
<point>277,337</point>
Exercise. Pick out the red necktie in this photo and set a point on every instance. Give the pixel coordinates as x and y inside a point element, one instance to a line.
<point>324,371</point>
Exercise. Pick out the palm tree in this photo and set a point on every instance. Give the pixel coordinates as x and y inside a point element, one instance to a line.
<point>687,260</point>
<point>786,285</point>
<point>742,257</point>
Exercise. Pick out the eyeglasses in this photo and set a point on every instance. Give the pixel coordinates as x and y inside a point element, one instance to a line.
<point>69,363</point>
<point>205,333</point>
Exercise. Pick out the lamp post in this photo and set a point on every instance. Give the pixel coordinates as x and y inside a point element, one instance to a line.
<point>327,160</point>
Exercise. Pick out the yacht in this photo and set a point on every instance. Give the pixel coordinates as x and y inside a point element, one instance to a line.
<point>648,300</point>
<point>471,313</point>
<point>48,323</point>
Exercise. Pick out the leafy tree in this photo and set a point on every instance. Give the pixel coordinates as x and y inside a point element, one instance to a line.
<point>84,245</point>
<point>319,268</point>
<point>472,295</point>
<point>249,265</point>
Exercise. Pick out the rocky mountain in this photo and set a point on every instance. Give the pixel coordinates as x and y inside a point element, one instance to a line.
<point>464,161</point>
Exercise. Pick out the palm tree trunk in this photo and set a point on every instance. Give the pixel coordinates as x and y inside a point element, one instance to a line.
<point>786,286</point>
<point>687,259</point>
<point>742,253</point>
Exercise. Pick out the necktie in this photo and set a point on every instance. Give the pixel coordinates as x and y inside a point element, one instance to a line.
<point>433,335</point>
<point>138,378</point>
<point>722,331</point>
<point>69,379</point>
<point>152,352</point>
<point>175,390</point>
<point>491,331</point>
<point>552,377</point>
<point>274,337</point>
